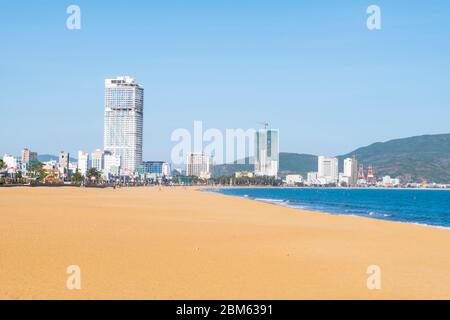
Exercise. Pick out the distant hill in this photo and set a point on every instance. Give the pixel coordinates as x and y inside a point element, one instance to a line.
<point>289,163</point>
<point>413,159</point>
<point>50,157</point>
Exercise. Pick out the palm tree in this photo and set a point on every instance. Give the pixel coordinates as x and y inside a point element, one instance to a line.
<point>35,170</point>
<point>77,178</point>
<point>94,174</point>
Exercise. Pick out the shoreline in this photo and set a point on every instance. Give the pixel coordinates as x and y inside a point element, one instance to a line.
<point>179,243</point>
<point>280,204</point>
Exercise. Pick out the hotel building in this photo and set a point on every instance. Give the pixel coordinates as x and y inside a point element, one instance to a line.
<point>123,121</point>
<point>198,165</point>
<point>328,170</point>
<point>267,152</point>
<point>351,170</point>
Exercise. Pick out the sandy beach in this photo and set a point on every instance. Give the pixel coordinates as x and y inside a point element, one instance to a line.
<point>181,243</point>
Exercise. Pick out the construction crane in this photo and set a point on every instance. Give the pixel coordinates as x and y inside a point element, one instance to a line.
<point>265,124</point>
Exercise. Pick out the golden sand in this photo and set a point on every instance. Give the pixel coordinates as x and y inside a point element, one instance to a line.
<point>177,243</point>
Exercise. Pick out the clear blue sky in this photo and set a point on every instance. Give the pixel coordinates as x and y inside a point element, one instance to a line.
<point>310,68</point>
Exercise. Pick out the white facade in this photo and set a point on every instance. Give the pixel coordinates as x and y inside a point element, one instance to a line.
<point>10,161</point>
<point>312,178</point>
<point>390,182</point>
<point>267,152</point>
<point>350,171</point>
<point>348,167</point>
<point>124,118</point>
<point>166,169</point>
<point>293,179</point>
<point>386,180</point>
<point>111,165</point>
<point>73,167</point>
<point>328,170</point>
<point>98,160</point>
<point>83,162</point>
<point>49,165</point>
<point>198,165</point>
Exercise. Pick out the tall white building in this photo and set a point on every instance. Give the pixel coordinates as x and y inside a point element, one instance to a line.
<point>111,165</point>
<point>98,160</point>
<point>124,118</point>
<point>351,170</point>
<point>267,152</point>
<point>198,165</point>
<point>83,162</point>
<point>328,170</point>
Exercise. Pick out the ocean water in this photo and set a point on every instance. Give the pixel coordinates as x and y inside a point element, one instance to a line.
<point>427,207</point>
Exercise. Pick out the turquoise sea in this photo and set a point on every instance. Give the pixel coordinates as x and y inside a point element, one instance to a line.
<point>427,207</point>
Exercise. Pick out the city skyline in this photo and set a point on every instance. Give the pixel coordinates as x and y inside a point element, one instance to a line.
<point>333,75</point>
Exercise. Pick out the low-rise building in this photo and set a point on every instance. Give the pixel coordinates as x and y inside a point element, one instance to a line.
<point>387,181</point>
<point>244,174</point>
<point>10,161</point>
<point>293,179</point>
<point>158,168</point>
<point>312,178</point>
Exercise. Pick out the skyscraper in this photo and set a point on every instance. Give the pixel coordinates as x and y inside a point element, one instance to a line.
<point>266,152</point>
<point>124,118</point>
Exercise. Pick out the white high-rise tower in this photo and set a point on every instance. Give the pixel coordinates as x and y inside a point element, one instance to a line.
<point>124,119</point>
<point>266,152</point>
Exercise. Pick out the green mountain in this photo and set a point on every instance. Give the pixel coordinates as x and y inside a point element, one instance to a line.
<point>422,158</point>
<point>413,159</point>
